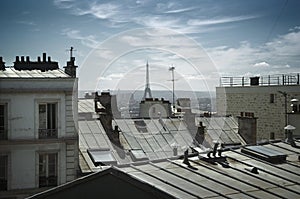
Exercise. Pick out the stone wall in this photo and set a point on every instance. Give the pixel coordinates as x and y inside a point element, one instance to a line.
<point>257,100</point>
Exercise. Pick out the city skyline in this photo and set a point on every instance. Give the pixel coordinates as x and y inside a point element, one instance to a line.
<point>203,40</point>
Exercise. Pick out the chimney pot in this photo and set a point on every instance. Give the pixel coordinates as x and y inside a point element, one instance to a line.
<point>44,57</point>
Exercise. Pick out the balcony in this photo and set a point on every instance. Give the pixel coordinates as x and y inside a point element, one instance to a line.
<point>47,133</point>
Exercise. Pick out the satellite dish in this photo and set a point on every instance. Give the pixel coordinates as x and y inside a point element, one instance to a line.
<point>289,127</point>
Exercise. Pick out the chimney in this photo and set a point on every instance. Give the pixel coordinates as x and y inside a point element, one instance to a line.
<point>247,127</point>
<point>22,59</point>
<point>200,133</point>
<point>39,59</point>
<point>2,64</point>
<point>44,57</point>
<point>17,59</point>
<point>70,68</point>
<point>27,59</point>
<point>49,59</point>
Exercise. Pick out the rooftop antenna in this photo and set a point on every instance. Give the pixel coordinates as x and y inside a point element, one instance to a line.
<point>71,52</point>
<point>172,68</point>
<point>147,87</point>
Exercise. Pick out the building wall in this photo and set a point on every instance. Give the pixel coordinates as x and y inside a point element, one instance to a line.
<point>256,99</point>
<point>155,109</point>
<point>23,145</point>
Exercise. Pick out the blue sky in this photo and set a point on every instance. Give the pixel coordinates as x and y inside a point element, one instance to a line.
<point>113,39</point>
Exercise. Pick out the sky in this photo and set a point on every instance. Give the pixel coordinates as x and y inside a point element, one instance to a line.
<point>113,40</point>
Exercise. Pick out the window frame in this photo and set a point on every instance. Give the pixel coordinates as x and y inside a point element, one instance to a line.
<point>45,133</point>
<point>6,133</point>
<point>48,178</point>
<point>6,177</point>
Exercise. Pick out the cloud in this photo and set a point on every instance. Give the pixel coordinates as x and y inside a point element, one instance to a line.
<point>89,40</point>
<point>100,11</point>
<point>29,23</point>
<point>63,4</point>
<point>281,53</point>
<point>221,20</point>
<point>180,10</point>
<point>261,64</point>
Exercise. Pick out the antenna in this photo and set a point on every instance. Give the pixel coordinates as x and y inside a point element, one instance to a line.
<point>172,68</point>
<point>71,52</point>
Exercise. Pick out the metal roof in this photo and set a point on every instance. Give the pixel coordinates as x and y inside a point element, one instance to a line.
<point>13,73</point>
<point>211,179</point>
<point>221,129</point>
<point>234,174</point>
<point>156,137</point>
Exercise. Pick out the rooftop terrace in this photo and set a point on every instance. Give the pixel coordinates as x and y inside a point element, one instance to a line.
<point>268,80</point>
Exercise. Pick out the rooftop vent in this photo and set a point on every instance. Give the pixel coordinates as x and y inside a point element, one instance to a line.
<point>264,153</point>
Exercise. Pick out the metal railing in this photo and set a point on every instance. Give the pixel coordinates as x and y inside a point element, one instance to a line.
<point>47,133</point>
<point>268,80</point>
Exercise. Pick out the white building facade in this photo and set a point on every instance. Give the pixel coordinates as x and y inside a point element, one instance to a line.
<point>269,100</point>
<point>38,128</point>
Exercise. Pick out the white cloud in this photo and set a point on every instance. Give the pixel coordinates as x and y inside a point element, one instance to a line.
<point>221,20</point>
<point>282,54</point>
<point>180,10</point>
<point>100,11</point>
<point>261,64</point>
<point>89,40</point>
<point>29,23</point>
<point>63,4</point>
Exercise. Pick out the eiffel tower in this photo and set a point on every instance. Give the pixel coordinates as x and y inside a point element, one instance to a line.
<point>147,87</point>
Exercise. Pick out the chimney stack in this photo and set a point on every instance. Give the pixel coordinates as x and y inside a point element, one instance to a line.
<point>44,57</point>
<point>70,69</point>
<point>248,127</point>
<point>2,64</point>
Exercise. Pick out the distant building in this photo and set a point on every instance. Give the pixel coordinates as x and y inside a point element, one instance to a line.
<point>155,108</point>
<point>266,98</point>
<point>38,126</point>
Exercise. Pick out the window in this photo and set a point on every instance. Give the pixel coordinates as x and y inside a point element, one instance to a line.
<point>272,98</point>
<point>48,169</point>
<point>272,136</point>
<point>48,120</point>
<point>3,172</point>
<point>3,121</point>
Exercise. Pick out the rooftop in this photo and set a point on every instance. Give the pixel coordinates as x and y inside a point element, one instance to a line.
<point>232,174</point>
<point>268,80</point>
<point>26,74</point>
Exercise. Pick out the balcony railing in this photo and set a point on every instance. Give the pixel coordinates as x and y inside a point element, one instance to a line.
<point>269,80</point>
<point>47,181</point>
<point>47,133</point>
